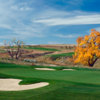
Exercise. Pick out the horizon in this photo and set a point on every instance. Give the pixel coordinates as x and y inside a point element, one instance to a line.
<point>48,22</point>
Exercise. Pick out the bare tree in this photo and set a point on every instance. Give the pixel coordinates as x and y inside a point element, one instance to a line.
<point>14,48</point>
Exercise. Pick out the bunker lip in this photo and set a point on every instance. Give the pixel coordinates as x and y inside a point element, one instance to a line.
<point>12,85</point>
<point>44,69</point>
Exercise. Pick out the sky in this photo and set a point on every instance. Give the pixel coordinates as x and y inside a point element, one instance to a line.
<point>48,21</point>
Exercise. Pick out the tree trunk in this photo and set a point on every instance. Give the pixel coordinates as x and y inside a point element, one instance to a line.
<point>11,54</point>
<point>92,64</point>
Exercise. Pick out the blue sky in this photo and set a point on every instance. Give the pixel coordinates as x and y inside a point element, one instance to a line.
<point>48,21</point>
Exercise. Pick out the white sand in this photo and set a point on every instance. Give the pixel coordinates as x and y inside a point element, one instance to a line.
<point>12,85</point>
<point>68,69</point>
<point>44,69</point>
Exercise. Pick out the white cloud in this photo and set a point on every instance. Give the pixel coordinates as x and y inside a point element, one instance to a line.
<point>52,13</point>
<point>25,22</point>
<point>5,26</point>
<point>13,16</point>
<point>66,36</point>
<point>20,8</point>
<point>27,31</point>
<point>76,20</point>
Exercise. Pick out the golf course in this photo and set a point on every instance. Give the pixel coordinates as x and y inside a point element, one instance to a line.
<point>49,49</point>
<point>76,84</point>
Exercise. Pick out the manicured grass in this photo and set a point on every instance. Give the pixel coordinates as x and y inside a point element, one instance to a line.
<point>78,84</point>
<point>41,48</point>
<point>55,56</point>
<point>67,67</point>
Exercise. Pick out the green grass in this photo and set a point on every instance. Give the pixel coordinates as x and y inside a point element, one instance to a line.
<point>2,51</point>
<point>67,67</point>
<point>41,48</point>
<point>55,56</point>
<point>79,84</point>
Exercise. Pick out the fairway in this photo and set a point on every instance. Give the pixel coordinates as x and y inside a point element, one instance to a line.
<point>41,48</point>
<point>55,56</point>
<point>63,84</point>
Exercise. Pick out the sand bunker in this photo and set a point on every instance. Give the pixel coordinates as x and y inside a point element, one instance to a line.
<point>68,69</point>
<point>44,69</point>
<point>12,85</point>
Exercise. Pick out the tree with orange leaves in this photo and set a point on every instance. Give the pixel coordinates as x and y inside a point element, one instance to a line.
<point>87,51</point>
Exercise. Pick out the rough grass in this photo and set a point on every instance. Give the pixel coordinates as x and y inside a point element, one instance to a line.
<point>80,84</point>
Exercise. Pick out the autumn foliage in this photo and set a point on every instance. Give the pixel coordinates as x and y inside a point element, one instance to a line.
<point>87,51</point>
